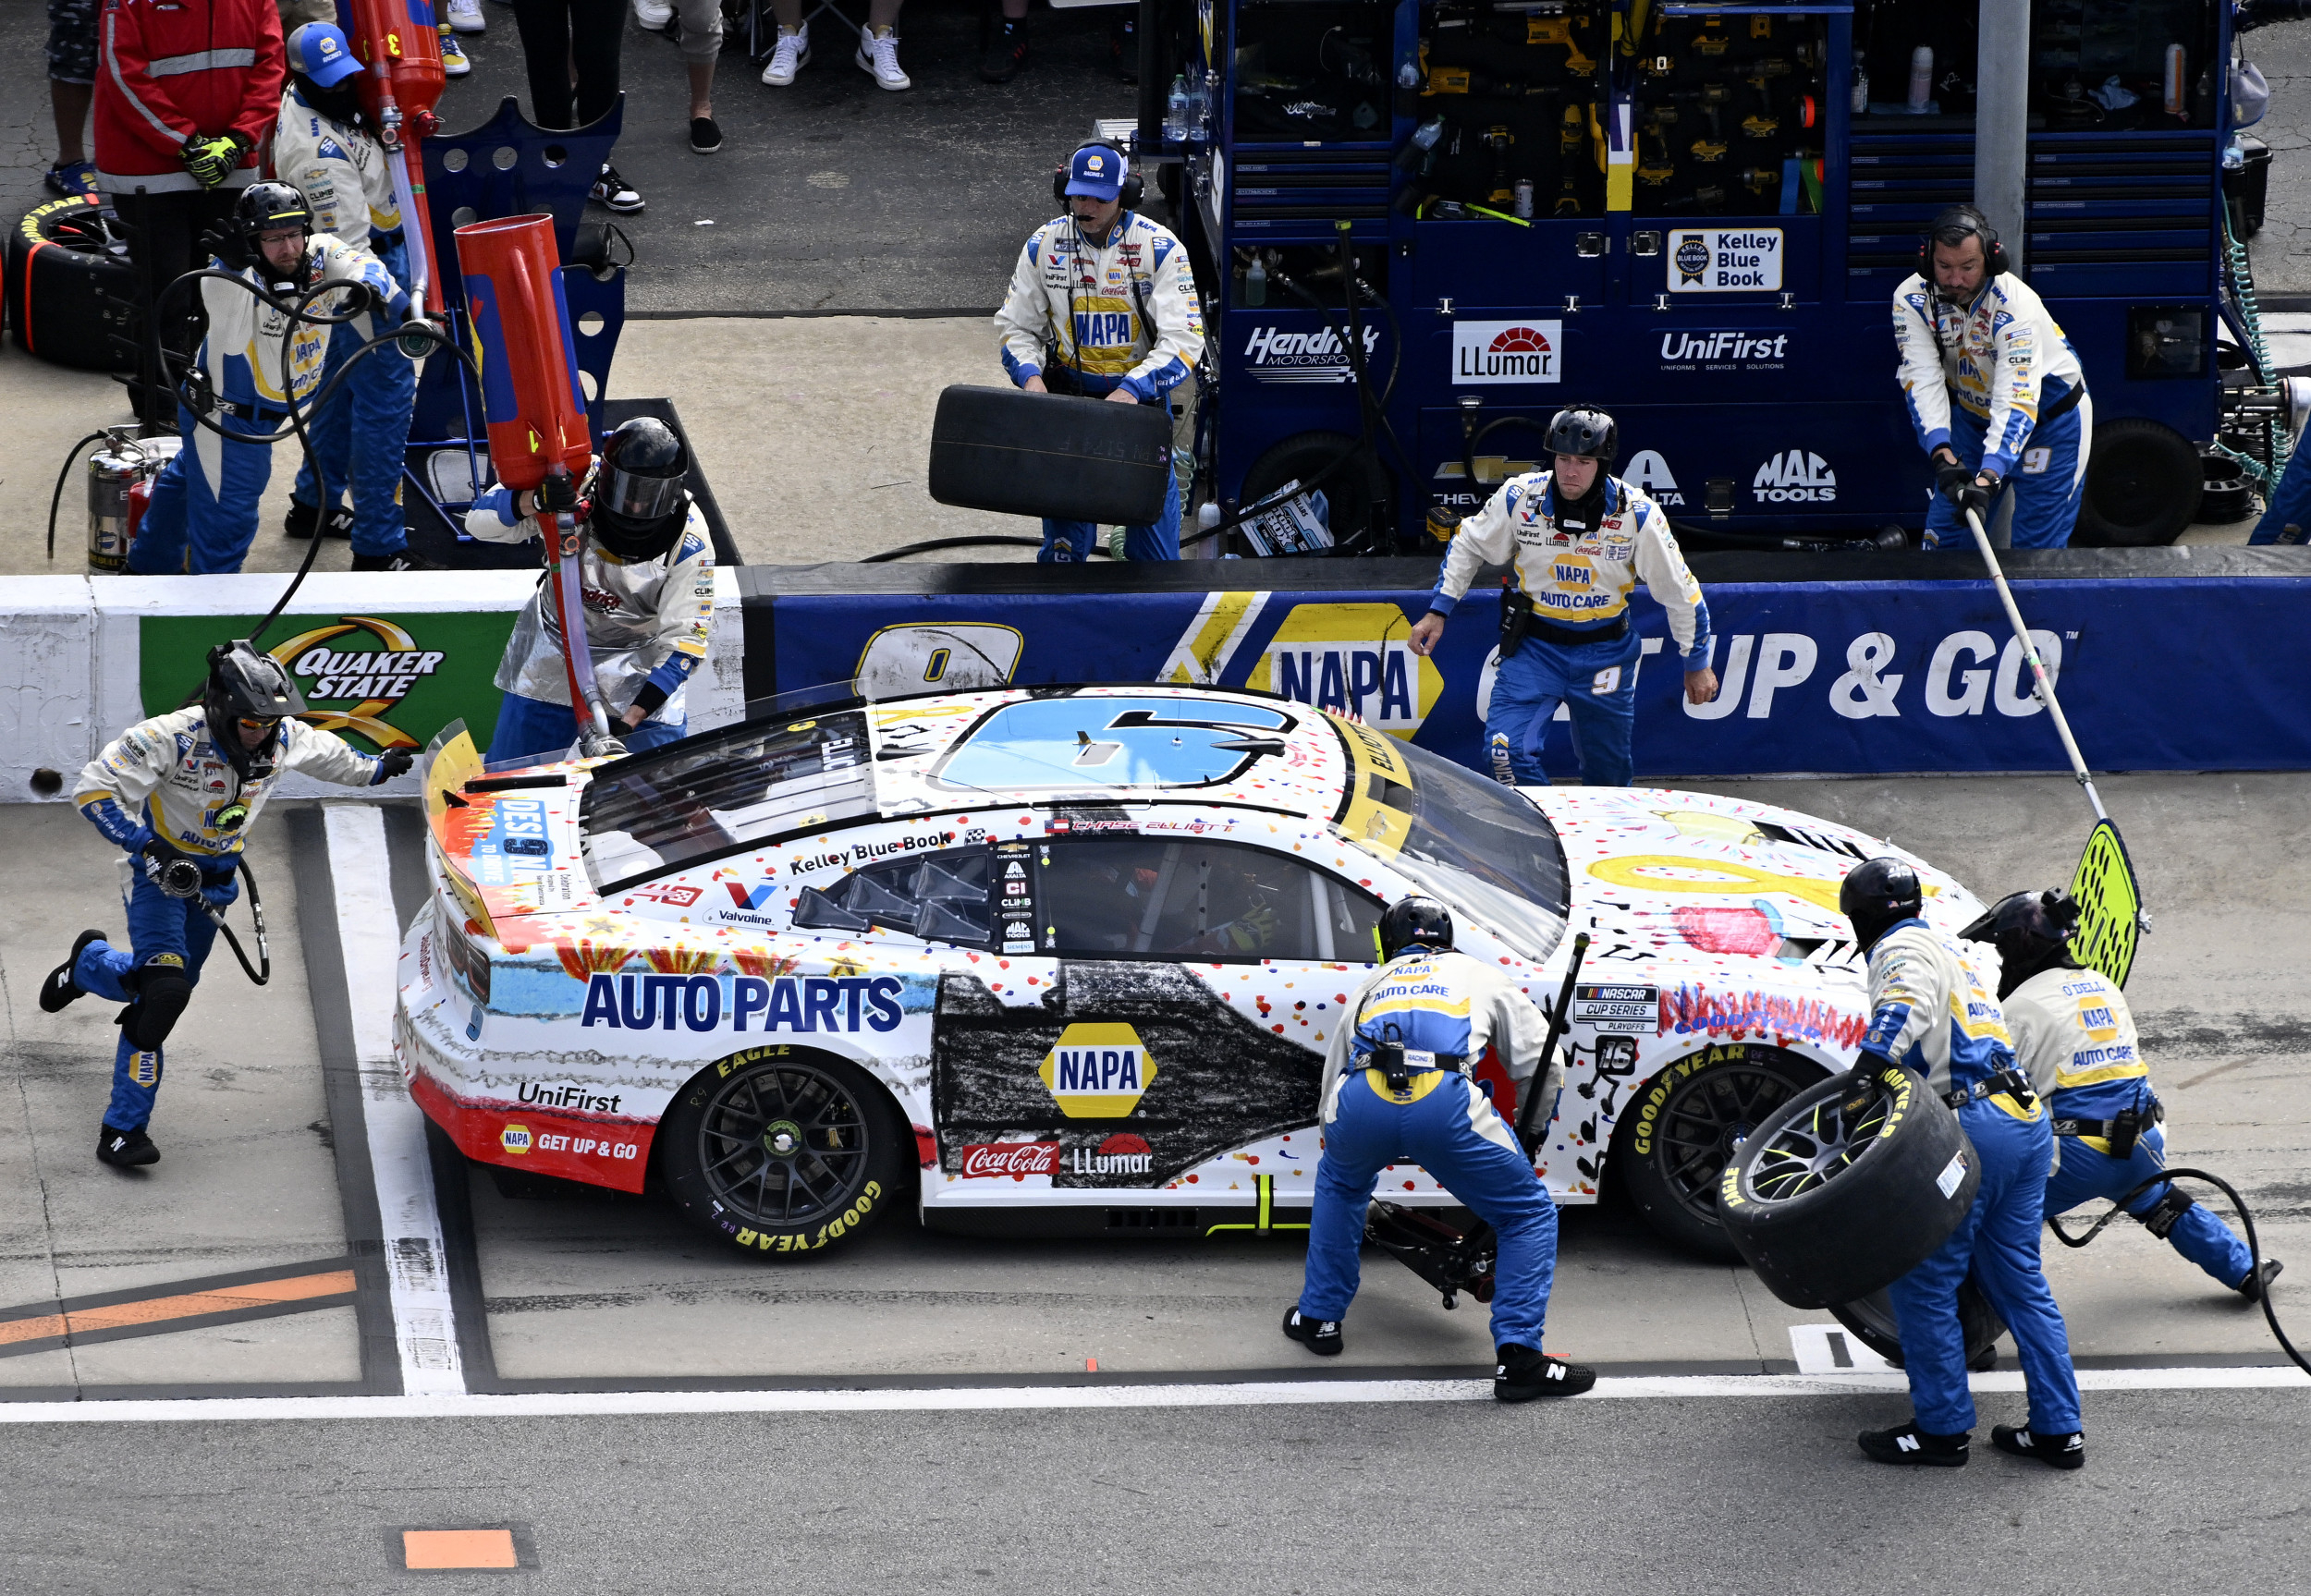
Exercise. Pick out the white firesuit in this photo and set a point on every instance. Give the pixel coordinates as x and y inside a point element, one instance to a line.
<point>2001,356</point>
<point>341,172</point>
<point>1119,314</point>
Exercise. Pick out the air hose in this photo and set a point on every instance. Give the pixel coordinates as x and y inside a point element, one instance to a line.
<point>2246,320</point>
<point>2254,1249</point>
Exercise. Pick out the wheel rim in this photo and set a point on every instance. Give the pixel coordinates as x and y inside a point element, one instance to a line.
<point>1815,1147</point>
<point>783,1146</point>
<point>1704,1121</point>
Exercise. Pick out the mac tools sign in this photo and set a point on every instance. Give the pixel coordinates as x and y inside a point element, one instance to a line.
<point>1725,260</point>
<point>1485,352</point>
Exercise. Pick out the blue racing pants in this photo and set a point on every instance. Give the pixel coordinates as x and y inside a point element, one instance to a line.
<point>1450,1130</point>
<point>2087,1174</point>
<point>202,515</point>
<point>363,434</point>
<point>1069,543</point>
<point>161,930</point>
<point>1999,1240</point>
<point>2291,502</point>
<point>534,730</point>
<point>1597,685</point>
<point>2046,481</point>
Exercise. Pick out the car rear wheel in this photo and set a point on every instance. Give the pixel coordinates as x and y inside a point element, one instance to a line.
<point>1677,1133</point>
<point>780,1150</point>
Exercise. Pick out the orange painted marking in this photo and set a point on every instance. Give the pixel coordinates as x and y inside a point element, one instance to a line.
<point>459,1548</point>
<point>189,1305</point>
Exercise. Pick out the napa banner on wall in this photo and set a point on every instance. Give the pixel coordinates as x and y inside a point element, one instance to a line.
<point>1835,678</point>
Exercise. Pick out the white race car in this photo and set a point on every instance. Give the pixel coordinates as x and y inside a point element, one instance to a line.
<point>1076,953</point>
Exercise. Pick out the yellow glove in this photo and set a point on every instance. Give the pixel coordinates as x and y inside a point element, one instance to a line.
<point>210,161</point>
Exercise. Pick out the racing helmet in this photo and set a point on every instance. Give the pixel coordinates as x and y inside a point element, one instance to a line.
<point>2031,931</point>
<point>245,685</point>
<point>1415,920</point>
<point>1879,894</point>
<point>1585,430</point>
<point>262,208</point>
<point>638,498</point>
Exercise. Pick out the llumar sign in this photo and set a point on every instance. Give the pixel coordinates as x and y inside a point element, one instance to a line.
<point>381,681</point>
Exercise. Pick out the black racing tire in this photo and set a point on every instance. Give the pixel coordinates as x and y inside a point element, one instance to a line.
<point>1356,496</point>
<point>68,286</point>
<point>782,1150</point>
<point>1829,1201</point>
<point>2143,485</point>
<point>1870,1321</point>
<point>1677,1132</point>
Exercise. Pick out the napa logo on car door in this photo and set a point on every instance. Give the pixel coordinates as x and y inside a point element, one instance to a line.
<point>1097,1071</point>
<point>1354,659</point>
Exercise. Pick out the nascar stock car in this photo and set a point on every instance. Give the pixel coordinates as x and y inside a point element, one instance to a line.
<point>1070,956</point>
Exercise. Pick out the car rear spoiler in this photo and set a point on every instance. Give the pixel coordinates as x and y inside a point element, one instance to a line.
<point>451,761</point>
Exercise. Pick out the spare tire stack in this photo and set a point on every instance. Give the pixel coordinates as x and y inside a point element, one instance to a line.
<point>67,282</point>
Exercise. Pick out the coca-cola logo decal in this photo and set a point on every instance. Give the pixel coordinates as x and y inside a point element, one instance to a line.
<point>992,1160</point>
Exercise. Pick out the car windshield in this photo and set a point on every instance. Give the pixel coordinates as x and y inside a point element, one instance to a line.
<point>1488,855</point>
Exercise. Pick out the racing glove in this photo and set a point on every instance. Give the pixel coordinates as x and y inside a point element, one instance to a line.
<point>556,494</point>
<point>391,764</point>
<point>219,894</point>
<point>1951,479</point>
<point>212,160</point>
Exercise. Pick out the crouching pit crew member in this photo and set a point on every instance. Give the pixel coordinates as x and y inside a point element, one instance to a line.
<point>647,566</point>
<point>1102,304</point>
<point>1930,1012</point>
<point>1397,1089</point>
<point>1580,538</point>
<point>178,793</point>
<point>1971,331</point>
<point>2074,1037</point>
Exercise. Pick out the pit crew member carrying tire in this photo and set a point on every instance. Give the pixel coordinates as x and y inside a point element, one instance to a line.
<point>1397,1089</point>
<point>1102,304</point>
<point>1970,330</point>
<point>1580,538</point>
<point>1930,1013</point>
<point>178,793</point>
<point>2074,1037</point>
<point>647,566</point>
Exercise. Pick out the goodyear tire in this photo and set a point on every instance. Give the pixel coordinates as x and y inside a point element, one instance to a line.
<point>780,1150</point>
<point>1676,1134</point>
<point>1356,496</point>
<point>1870,1320</point>
<point>1829,1206</point>
<point>68,286</point>
<point>2143,485</point>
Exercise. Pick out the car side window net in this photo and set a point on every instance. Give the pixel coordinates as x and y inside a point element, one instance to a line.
<point>1123,897</point>
<point>942,897</point>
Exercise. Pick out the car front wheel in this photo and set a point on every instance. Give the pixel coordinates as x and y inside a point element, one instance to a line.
<point>1676,1134</point>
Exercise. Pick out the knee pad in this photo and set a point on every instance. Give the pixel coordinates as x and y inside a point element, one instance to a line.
<point>161,993</point>
<point>2161,1216</point>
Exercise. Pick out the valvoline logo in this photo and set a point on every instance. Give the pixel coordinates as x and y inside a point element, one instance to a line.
<point>746,898</point>
<point>1097,1071</point>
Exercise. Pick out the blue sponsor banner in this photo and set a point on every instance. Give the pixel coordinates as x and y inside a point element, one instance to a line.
<point>1834,677</point>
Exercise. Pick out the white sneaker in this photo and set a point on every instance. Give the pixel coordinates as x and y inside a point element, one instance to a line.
<point>652,15</point>
<point>878,54</point>
<point>465,16</point>
<point>792,55</point>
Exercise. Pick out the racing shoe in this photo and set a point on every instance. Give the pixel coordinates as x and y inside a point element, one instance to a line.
<point>2250,1286</point>
<point>400,560</point>
<point>1522,1373</point>
<point>59,988</point>
<point>1321,1336</point>
<point>125,1149</point>
<point>303,519</point>
<point>2054,1451</point>
<point>792,54</point>
<point>1910,1445</point>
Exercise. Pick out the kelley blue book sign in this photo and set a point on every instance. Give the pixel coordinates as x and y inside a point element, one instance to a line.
<point>1846,678</point>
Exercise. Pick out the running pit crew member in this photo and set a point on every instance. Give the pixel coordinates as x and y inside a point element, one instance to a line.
<point>1580,538</point>
<point>1102,304</point>
<point>2022,422</point>
<point>646,565</point>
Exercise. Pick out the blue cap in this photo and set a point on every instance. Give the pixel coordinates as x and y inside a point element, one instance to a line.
<point>318,51</point>
<point>1096,171</point>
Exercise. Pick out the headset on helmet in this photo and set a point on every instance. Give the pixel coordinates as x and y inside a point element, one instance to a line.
<point>262,208</point>
<point>1415,920</point>
<point>638,497</point>
<point>243,682</point>
<point>1877,895</point>
<point>1134,186</point>
<point>1585,430</point>
<point>1960,222</point>
<point>2031,931</point>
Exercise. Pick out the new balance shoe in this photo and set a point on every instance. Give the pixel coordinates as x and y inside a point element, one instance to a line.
<point>2054,1451</point>
<point>878,57</point>
<point>790,55</point>
<point>465,16</point>
<point>125,1149</point>
<point>654,15</point>
<point>1914,1447</point>
<point>400,560</point>
<point>1521,1373</point>
<point>1321,1336</point>
<point>2251,1284</point>
<point>615,191</point>
<point>71,178</point>
<point>1006,53</point>
<point>59,988</point>
<point>454,63</point>
<point>303,519</point>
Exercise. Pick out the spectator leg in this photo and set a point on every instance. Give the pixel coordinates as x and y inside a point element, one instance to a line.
<point>70,102</point>
<point>545,57</point>
<point>597,28</point>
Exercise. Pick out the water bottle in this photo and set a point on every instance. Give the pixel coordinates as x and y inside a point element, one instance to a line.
<point>1175,112</point>
<point>1921,77</point>
<point>1861,104</point>
<point>1255,282</point>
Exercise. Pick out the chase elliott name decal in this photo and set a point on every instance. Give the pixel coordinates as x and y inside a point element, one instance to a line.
<point>787,1002</point>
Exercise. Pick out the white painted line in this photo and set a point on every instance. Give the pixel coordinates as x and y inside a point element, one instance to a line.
<point>1832,1349</point>
<point>1316,1392</point>
<point>370,933</point>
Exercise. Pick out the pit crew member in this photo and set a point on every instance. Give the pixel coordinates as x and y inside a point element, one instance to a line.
<point>2074,1037</point>
<point>1930,1013</point>
<point>178,794</point>
<point>1397,1089</point>
<point>647,566</point>
<point>1102,304</point>
<point>204,512</point>
<point>2022,420</point>
<point>1580,538</point>
<point>320,147</point>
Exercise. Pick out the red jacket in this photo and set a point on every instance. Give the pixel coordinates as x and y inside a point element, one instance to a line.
<point>168,69</point>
